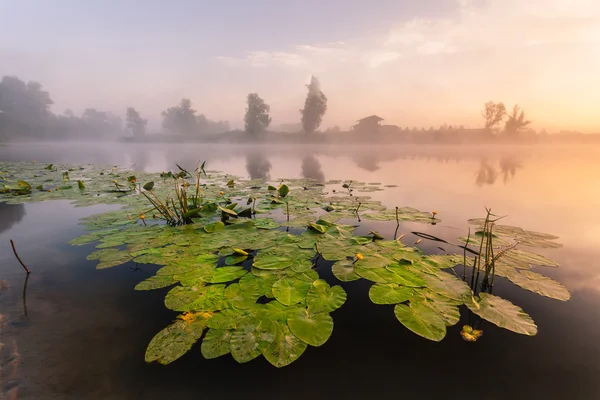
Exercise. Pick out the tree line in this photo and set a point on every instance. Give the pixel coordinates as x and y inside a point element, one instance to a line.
<point>25,113</point>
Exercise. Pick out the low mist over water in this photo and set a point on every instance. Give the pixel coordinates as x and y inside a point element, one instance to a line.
<point>308,199</point>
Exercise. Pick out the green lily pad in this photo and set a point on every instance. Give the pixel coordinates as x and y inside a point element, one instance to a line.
<point>225,320</point>
<point>344,271</point>
<point>502,313</point>
<point>156,282</point>
<point>216,343</point>
<point>290,290</point>
<point>214,227</point>
<point>540,284</point>
<point>251,338</point>
<point>313,329</point>
<point>226,274</point>
<point>445,307</point>
<point>389,293</point>
<point>323,298</point>
<point>174,341</point>
<point>405,277</point>
<point>447,285</point>
<point>269,261</point>
<point>422,320</point>
<point>285,348</point>
<point>524,259</point>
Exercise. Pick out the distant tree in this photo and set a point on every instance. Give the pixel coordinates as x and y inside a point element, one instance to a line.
<point>493,113</point>
<point>25,108</point>
<point>180,119</point>
<point>315,107</point>
<point>257,114</point>
<point>333,129</point>
<point>135,123</point>
<point>516,121</point>
<point>100,123</point>
<point>207,126</point>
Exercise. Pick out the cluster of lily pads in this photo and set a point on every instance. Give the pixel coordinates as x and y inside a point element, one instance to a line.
<point>243,257</point>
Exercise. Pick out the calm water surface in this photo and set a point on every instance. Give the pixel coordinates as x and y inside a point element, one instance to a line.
<point>85,331</point>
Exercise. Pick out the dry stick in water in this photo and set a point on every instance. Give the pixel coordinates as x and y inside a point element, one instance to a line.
<point>465,256</point>
<point>397,224</point>
<point>19,258</point>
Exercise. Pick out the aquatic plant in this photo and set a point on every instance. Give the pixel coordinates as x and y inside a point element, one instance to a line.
<point>247,281</point>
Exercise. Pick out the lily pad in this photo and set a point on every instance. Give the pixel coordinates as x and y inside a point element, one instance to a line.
<point>250,339</point>
<point>269,261</point>
<point>174,341</point>
<point>540,284</point>
<point>285,348</point>
<point>389,293</point>
<point>502,313</point>
<point>289,290</point>
<point>447,285</point>
<point>422,320</point>
<point>156,282</point>
<point>214,226</point>
<point>323,298</point>
<point>313,329</point>
<point>216,343</point>
<point>344,271</point>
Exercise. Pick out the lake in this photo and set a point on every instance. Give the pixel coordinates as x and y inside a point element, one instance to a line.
<point>84,332</point>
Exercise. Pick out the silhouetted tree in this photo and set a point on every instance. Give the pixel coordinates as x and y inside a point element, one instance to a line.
<point>24,108</point>
<point>493,113</point>
<point>180,119</point>
<point>257,114</point>
<point>135,123</point>
<point>516,121</point>
<point>315,107</point>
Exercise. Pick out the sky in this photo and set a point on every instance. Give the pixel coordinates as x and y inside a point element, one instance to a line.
<point>414,63</point>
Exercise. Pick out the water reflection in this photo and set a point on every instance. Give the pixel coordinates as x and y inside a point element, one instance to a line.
<point>311,168</point>
<point>508,167</point>
<point>10,214</point>
<point>258,166</point>
<point>367,161</point>
<point>487,174</point>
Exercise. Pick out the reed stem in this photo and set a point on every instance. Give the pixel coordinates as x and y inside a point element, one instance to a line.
<point>19,258</point>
